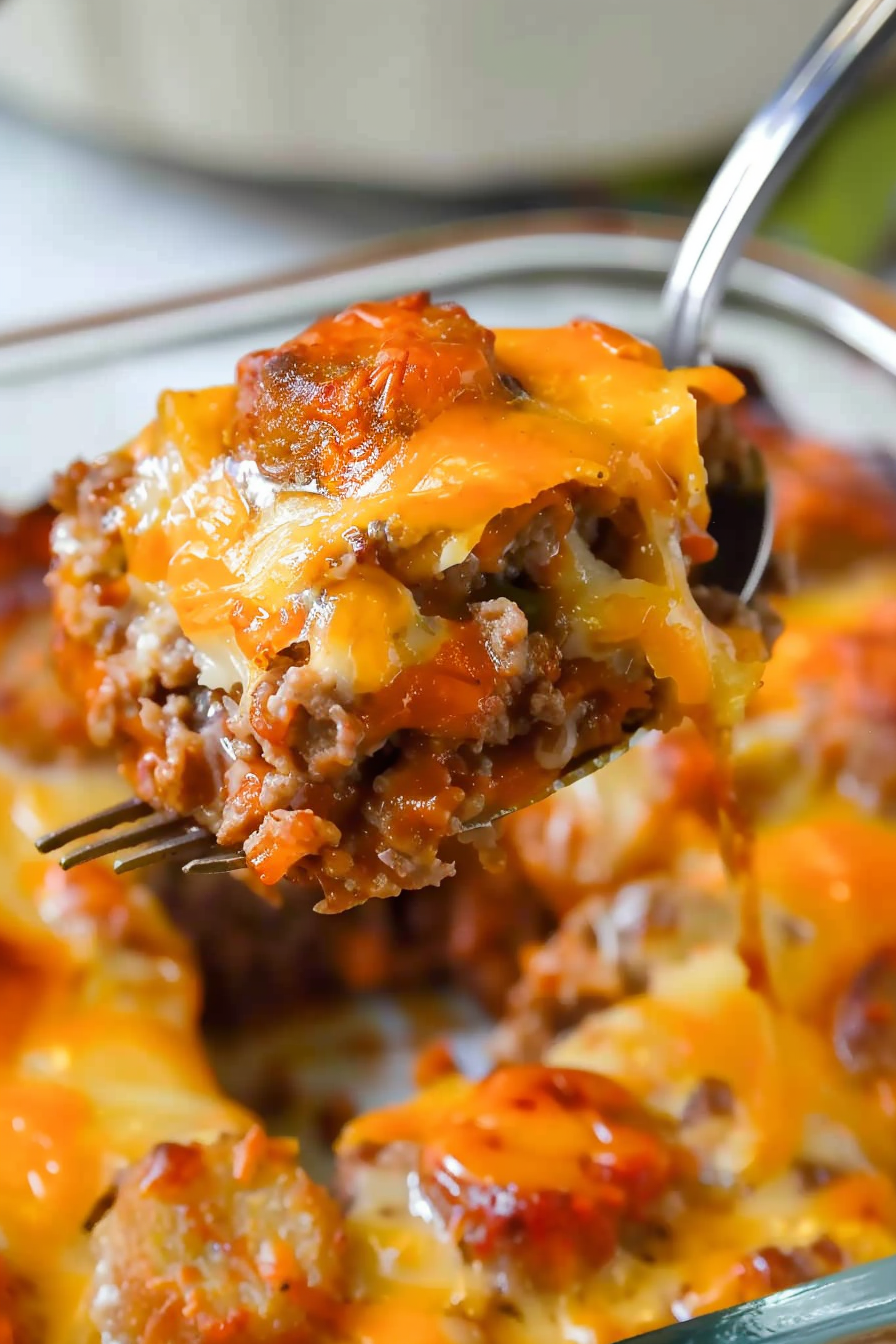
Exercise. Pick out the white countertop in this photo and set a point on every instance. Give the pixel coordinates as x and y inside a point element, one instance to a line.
<point>83,229</point>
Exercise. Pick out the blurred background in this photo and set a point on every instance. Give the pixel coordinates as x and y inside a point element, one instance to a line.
<point>152,148</point>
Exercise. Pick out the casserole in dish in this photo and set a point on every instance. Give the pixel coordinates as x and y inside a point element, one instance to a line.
<point>671,1129</point>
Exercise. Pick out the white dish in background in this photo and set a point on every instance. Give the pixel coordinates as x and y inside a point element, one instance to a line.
<point>429,94</point>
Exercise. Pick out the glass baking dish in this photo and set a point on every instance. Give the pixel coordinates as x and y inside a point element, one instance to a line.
<point>823,343</point>
<point>852,1307</point>
<point>822,338</point>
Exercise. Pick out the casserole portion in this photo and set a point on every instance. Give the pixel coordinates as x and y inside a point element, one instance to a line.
<point>395,582</point>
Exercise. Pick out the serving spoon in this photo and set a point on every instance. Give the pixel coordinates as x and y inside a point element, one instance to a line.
<point>759,164</point>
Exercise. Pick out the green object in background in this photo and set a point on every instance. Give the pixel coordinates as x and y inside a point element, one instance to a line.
<point>841,203</point>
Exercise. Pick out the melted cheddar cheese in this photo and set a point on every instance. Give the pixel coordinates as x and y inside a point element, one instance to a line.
<point>393,582</point>
<point>251,564</point>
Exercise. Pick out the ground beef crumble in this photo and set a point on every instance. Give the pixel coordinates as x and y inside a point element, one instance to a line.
<point>251,766</point>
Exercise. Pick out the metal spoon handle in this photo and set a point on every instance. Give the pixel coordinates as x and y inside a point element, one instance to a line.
<point>761,162</point>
